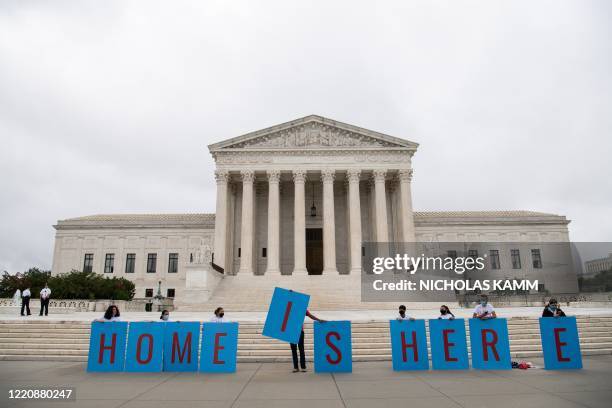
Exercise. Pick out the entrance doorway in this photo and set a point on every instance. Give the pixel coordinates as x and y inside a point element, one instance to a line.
<point>314,251</point>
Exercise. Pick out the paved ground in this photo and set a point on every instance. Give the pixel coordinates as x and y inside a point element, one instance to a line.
<point>273,385</point>
<point>353,315</point>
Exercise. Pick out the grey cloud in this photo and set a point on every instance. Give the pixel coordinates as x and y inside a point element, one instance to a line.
<point>108,106</point>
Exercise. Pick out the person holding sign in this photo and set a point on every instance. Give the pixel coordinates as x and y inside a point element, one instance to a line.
<point>111,315</point>
<point>165,316</point>
<point>484,310</point>
<point>402,314</point>
<point>445,313</point>
<point>218,317</point>
<point>552,309</point>
<point>300,345</point>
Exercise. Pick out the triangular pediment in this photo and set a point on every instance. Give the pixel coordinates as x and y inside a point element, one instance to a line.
<point>313,132</point>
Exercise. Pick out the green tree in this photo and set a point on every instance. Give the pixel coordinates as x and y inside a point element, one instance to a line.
<point>71,285</point>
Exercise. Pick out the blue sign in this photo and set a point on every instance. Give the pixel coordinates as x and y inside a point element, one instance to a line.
<point>286,315</point>
<point>219,347</point>
<point>560,343</point>
<point>107,346</point>
<point>408,345</point>
<point>145,347</point>
<point>490,344</point>
<point>448,344</point>
<point>181,345</point>
<point>332,347</point>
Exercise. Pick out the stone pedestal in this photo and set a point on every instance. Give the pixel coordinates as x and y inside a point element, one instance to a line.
<point>200,283</point>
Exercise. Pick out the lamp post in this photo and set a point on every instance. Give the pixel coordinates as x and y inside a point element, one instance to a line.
<point>158,298</point>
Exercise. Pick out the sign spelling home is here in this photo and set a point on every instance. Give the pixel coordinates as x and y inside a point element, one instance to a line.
<point>178,346</point>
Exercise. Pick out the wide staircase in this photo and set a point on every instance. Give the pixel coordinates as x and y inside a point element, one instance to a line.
<point>247,292</point>
<point>69,341</point>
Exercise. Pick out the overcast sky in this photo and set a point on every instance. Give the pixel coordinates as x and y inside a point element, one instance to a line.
<point>107,107</point>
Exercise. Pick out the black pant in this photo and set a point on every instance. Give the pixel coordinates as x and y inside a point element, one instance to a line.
<point>44,305</point>
<point>294,354</point>
<point>25,304</point>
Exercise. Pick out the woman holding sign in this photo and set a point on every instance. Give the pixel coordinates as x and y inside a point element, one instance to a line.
<point>445,313</point>
<point>300,345</point>
<point>111,315</point>
<point>218,317</point>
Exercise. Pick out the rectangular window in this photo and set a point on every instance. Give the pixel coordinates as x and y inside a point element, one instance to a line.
<point>536,257</point>
<point>494,259</point>
<point>173,263</point>
<point>151,263</point>
<point>88,263</point>
<point>452,254</point>
<point>516,258</point>
<point>473,253</point>
<point>264,252</point>
<point>109,263</point>
<point>170,293</point>
<point>239,252</point>
<point>130,262</point>
<point>148,292</point>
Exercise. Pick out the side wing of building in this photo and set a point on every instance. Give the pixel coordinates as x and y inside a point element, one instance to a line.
<point>145,248</point>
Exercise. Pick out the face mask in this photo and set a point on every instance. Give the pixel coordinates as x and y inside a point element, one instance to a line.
<point>553,307</point>
<point>483,303</point>
<point>221,314</point>
<point>165,317</point>
<point>443,311</point>
<point>402,312</point>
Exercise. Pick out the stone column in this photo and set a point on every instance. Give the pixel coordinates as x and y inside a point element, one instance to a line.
<point>354,207</point>
<point>407,215</point>
<point>221,218</point>
<point>299,215</point>
<point>329,223</point>
<point>382,232</point>
<point>273,222</point>
<point>246,234</point>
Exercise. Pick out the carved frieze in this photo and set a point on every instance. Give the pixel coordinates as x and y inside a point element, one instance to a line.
<point>313,134</point>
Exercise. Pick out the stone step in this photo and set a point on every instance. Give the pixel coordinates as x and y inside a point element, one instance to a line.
<point>285,359</point>
<point>377,348</point>
<point>43,340</point>
<point>38,346</point>
<point>515,321</point>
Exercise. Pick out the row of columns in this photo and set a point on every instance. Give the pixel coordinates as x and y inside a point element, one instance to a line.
<point>329,234</point>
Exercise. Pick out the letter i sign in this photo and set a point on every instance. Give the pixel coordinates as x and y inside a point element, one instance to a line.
<point>286,315</point>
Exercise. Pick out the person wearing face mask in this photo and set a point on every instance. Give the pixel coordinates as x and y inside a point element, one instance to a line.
<point>218,317</point>
<point>484,310</point>
<point>165,316</point>
<point>445,313</point>
<point>402,314</point>
<point>552,309</point>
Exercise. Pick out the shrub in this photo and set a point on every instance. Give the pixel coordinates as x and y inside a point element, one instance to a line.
<point>71,285</point>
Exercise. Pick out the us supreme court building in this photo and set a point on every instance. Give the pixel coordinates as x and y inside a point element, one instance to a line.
<point>294,203</point>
